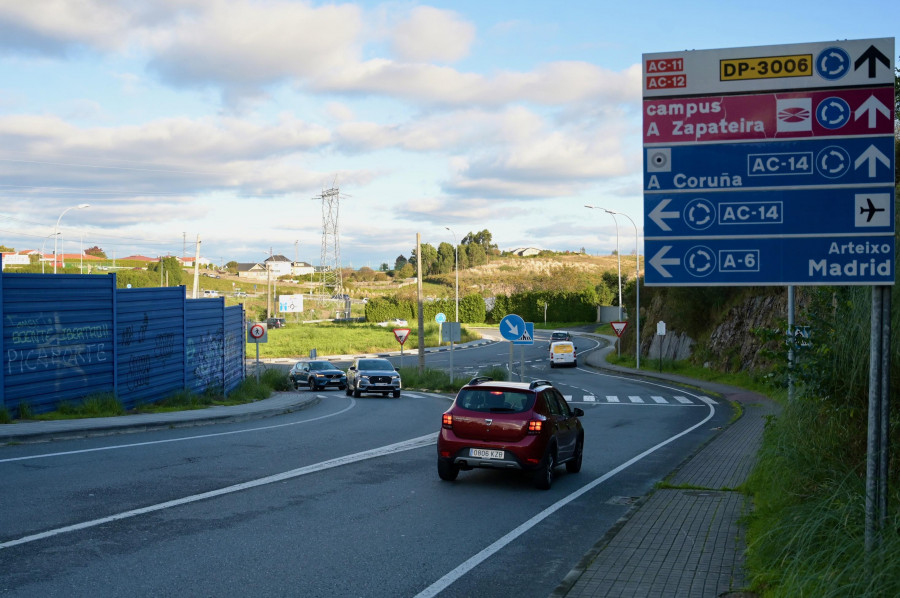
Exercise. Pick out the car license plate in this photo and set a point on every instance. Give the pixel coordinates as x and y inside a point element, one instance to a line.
<point>486,454</point>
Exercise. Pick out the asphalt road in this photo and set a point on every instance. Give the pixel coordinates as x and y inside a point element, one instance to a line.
<point>341,499</point>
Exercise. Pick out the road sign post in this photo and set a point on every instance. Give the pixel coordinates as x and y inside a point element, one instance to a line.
<point>401,334</point>
<point>257,332</point>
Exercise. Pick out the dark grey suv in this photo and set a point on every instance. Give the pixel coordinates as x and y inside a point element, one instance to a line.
<point>372,375</point>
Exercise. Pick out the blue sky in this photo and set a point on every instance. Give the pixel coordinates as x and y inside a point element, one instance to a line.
<point>226,118</point>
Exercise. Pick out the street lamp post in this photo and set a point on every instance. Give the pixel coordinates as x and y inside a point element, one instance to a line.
<point>43,259</point>
<point>619,261</point>
<point>80,206</point>
<point>637,288</point>
<point>456,247</point>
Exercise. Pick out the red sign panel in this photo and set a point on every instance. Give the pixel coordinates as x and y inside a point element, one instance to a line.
<point>787,115</point>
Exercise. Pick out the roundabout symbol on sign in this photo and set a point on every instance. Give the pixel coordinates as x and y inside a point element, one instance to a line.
<point>833,113</point>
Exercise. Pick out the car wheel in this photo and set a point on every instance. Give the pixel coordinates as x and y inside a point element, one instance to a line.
<point>543,477</point>
<point>552,365</point>
<point>575,364</point>
<point>396,394</point>
<point>447,471</point>
<point>312,385</point>
<point>574,466</point>
<point>356,393</point>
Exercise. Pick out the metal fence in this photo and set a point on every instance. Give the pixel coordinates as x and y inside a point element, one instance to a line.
<point>69,336</point>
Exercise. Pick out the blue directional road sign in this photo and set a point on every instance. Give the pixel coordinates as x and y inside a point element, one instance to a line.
<point>770,164</point>
<point>527,337</point>
<point>771,213</point>
<point>440,318</point>
<point>836,260</point>
<point>512,327</point>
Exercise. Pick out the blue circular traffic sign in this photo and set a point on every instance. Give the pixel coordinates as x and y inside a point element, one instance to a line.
<point>833,63</point>
<point>833,113</point>
<point>512,327</point>
<point>440,318</point>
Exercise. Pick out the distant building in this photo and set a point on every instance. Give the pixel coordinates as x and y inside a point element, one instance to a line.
<point>253,270</point>
<point>279,265</point>
<point>525,251</point>
<point>302,269</point>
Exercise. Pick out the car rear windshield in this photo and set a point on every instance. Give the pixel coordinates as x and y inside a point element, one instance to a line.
<point>495,401</point>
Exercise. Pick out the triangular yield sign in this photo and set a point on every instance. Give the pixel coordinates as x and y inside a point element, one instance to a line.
<point>401,334</point>
<point>619,327</point>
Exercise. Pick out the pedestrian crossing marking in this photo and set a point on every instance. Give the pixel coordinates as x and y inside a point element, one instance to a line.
<point>637,400</point>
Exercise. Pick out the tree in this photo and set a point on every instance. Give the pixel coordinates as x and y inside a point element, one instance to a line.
<point>429,259</point>
<point>6,249</point>
<point>232,267</point>
<point>400,262</point>
<point>384,267</point>
<point>172,271</point>
<point>407,271</point>
<point>95,251</point>
<point>446,258</point>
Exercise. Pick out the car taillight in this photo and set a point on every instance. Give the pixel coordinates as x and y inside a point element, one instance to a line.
<point>447,421</point>
<point>534,426</point>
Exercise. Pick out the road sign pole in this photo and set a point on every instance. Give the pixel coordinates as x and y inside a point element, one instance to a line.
<point>511,370</point>
<point>257,362</point>
<point>451,361</point>
<point>522,364</point>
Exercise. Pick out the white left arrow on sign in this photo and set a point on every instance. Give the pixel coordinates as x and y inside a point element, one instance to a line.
<point>659,216</point>
<point>660,261</point>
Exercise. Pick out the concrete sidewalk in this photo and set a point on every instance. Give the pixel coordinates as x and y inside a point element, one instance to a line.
<point>684,543</point>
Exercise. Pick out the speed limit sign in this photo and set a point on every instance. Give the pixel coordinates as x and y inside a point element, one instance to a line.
<point>257,333</point>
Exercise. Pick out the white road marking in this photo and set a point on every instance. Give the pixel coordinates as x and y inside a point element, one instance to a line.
<point>636,399</point>
<point>444,582</point>
<point>659,400</point>
<point>589,398</point>
<point>683,400</point>
<point>199,437</point>
<point>612,399</point>
<point>406,445</point>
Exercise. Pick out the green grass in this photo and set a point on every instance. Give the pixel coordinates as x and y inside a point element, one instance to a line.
<point>439,380</point>
<point>806,535</point>
<point>329,338</point>
<point>751,381</point>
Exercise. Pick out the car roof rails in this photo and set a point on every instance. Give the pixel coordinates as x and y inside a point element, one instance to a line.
<point>535,383</point>
<point>478,380</point>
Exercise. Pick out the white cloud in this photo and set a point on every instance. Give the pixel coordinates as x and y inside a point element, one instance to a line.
<point>431,34</point>
<point>245,44</point>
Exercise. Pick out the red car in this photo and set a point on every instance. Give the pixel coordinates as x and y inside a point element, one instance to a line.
<point>510,425</point>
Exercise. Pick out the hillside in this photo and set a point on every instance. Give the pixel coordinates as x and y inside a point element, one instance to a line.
<point>507,275</point>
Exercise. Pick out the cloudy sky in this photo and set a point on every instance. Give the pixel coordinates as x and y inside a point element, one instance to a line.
<point>228,118</point>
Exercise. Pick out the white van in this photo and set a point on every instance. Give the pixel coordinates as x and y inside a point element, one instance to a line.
<point>563,353</point>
